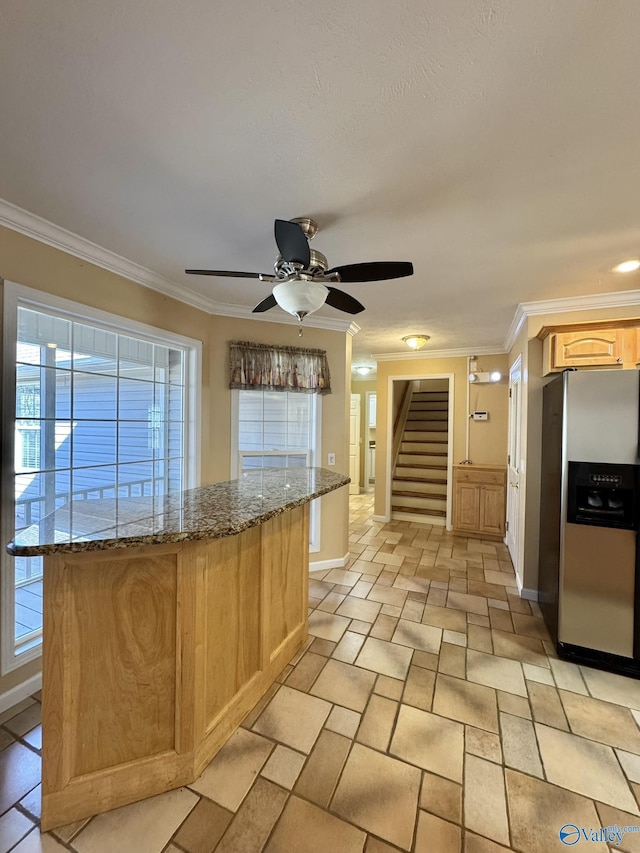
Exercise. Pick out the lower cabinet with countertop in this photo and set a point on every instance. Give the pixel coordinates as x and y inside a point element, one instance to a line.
<point>165,620</point>
<point>479,500</point>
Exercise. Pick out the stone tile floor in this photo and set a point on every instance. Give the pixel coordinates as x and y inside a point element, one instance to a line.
<point>428,712</point>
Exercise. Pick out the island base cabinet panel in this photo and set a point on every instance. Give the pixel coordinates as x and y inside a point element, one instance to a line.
<point>231,618</point>
<point>153,655</point>
<point>285,549</point>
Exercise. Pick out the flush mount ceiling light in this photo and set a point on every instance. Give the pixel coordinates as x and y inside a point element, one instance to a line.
<point>363,369</point>
<point>631,265</point>
<point>415,341</point>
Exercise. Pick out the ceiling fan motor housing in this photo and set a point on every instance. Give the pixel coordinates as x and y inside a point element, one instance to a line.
<point>318,265</point>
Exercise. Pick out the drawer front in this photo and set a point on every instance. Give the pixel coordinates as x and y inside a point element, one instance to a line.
<point>490,478</point>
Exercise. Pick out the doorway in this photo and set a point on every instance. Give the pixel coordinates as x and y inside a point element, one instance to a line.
<point>370,442</point>
<point>423,450</point>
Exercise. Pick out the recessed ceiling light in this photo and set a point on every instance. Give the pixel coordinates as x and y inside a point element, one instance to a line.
<point>628,266</point>
<point>415,341</point>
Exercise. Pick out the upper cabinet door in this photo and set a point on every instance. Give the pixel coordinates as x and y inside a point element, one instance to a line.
<point>592,348</point>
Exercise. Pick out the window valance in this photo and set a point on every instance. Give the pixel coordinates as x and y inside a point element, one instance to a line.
<point>264,367</point>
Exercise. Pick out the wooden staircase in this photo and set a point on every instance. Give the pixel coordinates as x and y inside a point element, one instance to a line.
<point>420,477</point>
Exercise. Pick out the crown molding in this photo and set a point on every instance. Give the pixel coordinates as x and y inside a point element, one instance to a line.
<point>441,353</point>
<point>31,225</point>
<point>518,321</point>
<point>615,299</point>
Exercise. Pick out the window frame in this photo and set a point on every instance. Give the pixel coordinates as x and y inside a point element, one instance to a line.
<point>314,454</point>
<point>15,296</point>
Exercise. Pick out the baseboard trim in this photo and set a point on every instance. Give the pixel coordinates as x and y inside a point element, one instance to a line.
<point>529,594</point>
<point>20,691</point>
<point>381,518</point>
<point>323,565</point>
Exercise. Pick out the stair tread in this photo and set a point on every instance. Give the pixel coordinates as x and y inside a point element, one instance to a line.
<point>426,440</point>
<point>418,441</point>
<point>438,513</point>
<point>435,480</point>
<point>430,495</point>
<point>437,466</point>
<point>405,472</point>
<point>424,452</point>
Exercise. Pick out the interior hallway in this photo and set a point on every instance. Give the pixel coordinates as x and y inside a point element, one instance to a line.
<point>428,712</point>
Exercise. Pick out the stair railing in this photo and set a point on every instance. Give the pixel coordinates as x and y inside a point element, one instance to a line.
<point>401,421</point>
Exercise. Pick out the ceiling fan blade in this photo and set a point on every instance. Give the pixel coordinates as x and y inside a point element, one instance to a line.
<point>343,301</point>
<point>373,271</point>
<point>292,242</point>
<point>228,273</point>
<point>268,302</point>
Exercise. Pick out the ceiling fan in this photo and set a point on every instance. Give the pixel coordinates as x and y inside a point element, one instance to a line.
<point>303,281</point>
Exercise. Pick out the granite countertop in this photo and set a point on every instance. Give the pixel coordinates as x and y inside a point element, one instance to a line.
<point>208,512</point>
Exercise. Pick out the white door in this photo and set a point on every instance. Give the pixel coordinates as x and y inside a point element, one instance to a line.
<point>354,445</point>
<point>370,442</point>
<point>513,463</point>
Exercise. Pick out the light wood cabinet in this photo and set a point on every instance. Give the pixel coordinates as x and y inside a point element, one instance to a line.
<point>591,348</point>
<point>154,654</point>
<point>479,495</point>
<point>614,343</point>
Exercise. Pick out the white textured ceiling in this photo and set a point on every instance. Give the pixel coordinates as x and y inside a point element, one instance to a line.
<point>494,144</point>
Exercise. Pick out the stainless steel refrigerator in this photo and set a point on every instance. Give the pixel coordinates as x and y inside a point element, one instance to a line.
<point>588,570</point>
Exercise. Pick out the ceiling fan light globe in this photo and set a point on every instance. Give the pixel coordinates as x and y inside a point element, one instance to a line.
<point>300,297</point>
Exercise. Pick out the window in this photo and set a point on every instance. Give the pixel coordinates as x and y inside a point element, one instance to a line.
<point>278,429</point>
<point>101,411</point>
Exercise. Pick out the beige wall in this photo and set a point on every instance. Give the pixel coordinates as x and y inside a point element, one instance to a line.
<point>488,440</point>
<point>362,387</point>
<point>28,262</point>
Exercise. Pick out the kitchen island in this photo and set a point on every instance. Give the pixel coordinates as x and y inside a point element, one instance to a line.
<point>165,621</point>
